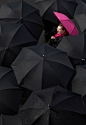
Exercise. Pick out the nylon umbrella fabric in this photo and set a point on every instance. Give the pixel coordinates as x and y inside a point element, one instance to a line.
<point>53,105</point>
<point>10,120</point>
<point>46,8</point>
<point>31,2</point>
<point>42,66</point>
<point>75,48</point>
<point>84,1</point>
<point>67,23</point>
<point>23,13</point>
<point>78,84</point>
<point>10,93</point>
<point>80,15</point>
<point>81,8</point>
<point>80,22</point>
<point>13,38</point>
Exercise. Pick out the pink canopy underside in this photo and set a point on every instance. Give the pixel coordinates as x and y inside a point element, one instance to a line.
<point>67,23</point>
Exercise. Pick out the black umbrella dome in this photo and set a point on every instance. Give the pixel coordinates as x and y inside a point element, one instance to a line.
<point>53,105</point>
<point>78,84</point>
<point>23,13</point>
<point>79,21</point>
<point>13,38</point>
<point>84,1</point>
<point>75,47</point>
<point>46,8</point>
<point>81,8</point>
<point>42,66</point>
<point>10,120</point>
<point>10,93</point>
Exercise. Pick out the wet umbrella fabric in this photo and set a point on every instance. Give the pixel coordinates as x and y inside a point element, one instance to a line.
<point>10,93</point>
<point>75,47</point>
<point>53,106</point>
<point>42,66</point>
<point>23,13</point>
<point>67,23</point>
<point>46,8</point>
<point>78,84</point>
<point>10,120</point>
<point>13,38</point>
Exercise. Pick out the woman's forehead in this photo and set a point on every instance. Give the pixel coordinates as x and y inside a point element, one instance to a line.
<point>59,27</point>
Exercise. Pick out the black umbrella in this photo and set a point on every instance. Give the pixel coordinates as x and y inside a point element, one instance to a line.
<point>78,84</point>
<point>13,38</point>
<point>80,22</point>
<point>84,1</point>
<point>10,93</point>
<point>42,66</point>
<point>75,46</point>
<point>53,106</point>
<point>31,2</point>
<point>81,8</point>
<point>46,8</point>
<point>23,13</point>
<point>10,120</point>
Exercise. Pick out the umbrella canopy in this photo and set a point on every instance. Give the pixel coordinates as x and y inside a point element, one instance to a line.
<point>10,93</point>
<point>75,46</point>
<point>46,8</point>
<point>67,23</point>
<point>84,1</point>
<point>13,38</point>
<point>10,120</point>
<point>42,66</point>
<point>81,8</point>
<point>80,22</point>
<point>78,83</point>
<point>23,13</point>
<point>53,106</point>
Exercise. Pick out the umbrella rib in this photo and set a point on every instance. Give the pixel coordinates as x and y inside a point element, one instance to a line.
<point>34,67</point>
<point>56,53</point>
<point>48,8</point>
<point>72,1</point>
<point>29,30</point>
<point>15,33</point>
<point>34,23</point>
<point>31,68</point>
<point>54,72</point>
<point>65,8</point>
<point>30,13</point>
<point>71,45</point>
<point>40,116</point>
<point>60,64</point>
<point>25,43</point>
<point>2,19</point>
<point>12,52</point>
<point>12,10</point>
<point>9,107</point>
<point>66,100</point>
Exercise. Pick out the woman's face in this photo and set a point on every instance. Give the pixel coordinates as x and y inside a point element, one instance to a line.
<point>60,30</point>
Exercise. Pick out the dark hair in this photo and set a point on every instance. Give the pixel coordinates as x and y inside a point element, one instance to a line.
<point>63,28</point>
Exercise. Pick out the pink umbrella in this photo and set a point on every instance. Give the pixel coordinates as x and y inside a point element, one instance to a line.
<point>67,23</point>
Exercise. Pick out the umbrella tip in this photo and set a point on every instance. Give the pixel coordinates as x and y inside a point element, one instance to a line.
<point>83,59</point>
<point>20,18</point>
<point>6,47</point>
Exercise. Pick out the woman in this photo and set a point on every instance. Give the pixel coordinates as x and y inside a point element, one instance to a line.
<point>57,34</point>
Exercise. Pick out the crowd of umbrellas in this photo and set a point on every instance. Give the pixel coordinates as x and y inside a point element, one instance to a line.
<point>40,84</point>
